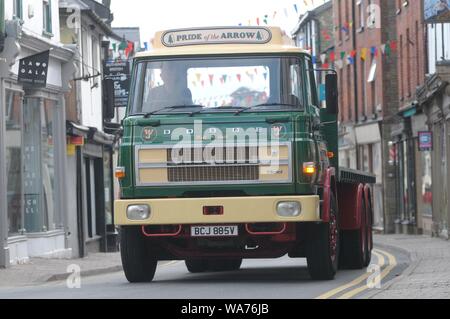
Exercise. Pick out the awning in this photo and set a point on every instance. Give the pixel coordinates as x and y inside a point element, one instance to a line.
<point>90,134</point>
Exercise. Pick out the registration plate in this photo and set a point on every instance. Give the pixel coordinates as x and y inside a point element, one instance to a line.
<point>214,231</point>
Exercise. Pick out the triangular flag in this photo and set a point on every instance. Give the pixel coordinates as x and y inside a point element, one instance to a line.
<point>332,56</point>
<point>323,58</point>
<point>363,54</point>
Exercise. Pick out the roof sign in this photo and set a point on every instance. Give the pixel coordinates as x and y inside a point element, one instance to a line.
<point>242,35</point>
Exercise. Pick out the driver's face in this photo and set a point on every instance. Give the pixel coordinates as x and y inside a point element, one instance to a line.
<point>170,75</point>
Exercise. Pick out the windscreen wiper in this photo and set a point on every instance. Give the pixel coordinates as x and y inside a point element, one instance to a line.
<point>175,107</point>
<point>241,108</point>
<point>263,105</point>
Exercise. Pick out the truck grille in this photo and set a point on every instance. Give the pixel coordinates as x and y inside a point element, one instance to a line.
<point>246,164</point>
<point>213,173</point>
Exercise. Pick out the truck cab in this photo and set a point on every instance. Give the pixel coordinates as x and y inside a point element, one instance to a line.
<point>227,155</point>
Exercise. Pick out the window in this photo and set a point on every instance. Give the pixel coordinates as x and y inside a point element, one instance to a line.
<point>85,52</point>
<point>263,83</point>
<point>40,209</point>
<point>408,61</point>
<point>339,14</point>
<point>18,9</point>
<point>13,157</point>
<point>47,17</point>
<point>363,87</point>
<point>95,58</point>
<point>360,10</point>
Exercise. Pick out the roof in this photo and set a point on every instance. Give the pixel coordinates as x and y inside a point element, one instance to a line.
<point>221,40</point>
<point>311,15</point>
<point>132,34</point>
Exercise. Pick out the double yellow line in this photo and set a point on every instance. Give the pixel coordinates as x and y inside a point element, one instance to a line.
<point>361,283</point>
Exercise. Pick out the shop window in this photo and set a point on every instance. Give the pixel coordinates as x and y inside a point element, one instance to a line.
<point>39,166</point>
<point>13,140</point>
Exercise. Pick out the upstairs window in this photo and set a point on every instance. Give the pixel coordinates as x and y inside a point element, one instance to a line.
<point>18,9</point>
<point>47,16</point>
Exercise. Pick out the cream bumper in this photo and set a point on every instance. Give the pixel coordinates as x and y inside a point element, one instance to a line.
<point>237,210</point>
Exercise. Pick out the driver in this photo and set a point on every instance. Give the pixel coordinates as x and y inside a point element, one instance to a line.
<point>174,92</point>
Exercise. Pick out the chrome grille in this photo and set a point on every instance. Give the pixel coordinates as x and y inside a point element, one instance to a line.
<point>235,164</point>
<point>213,173</point>
<point>239,164</point>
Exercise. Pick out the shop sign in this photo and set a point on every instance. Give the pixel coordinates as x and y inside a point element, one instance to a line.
<point>117,80</point>
<point>33,70</point>
<point>425,141</point>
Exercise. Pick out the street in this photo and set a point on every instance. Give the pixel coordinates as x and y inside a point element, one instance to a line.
<point>258,279</point>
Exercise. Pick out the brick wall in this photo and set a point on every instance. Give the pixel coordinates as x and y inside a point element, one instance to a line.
<point>411,50</point>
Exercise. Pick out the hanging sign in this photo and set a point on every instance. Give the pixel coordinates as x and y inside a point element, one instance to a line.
<point>436,11</point>
<point>425,141</point>
<point>33,70</point>
<point>241,35</point>
<point>117,79</point>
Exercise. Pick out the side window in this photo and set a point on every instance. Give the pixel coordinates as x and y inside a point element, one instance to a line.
<point>296,88</point>
<point>138,88</point>
<point>311,93</point>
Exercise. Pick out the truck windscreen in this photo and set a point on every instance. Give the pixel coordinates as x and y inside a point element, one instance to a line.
<point>215,84</point>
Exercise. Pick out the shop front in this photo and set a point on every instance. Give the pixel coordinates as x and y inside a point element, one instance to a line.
<point>33,143</point>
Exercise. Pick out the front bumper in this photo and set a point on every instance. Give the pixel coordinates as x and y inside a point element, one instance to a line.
<point>237,210</point>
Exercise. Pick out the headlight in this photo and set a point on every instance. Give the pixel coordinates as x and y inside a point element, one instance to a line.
<point>138,212</point>
<point>289,209</point>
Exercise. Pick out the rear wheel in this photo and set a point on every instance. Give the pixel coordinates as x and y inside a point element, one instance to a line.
<point>323,246</point>
<point>138,264</point>
<point>369,234</point>
<point>355,245</point>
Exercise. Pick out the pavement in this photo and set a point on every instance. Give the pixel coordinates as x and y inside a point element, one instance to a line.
<point>427,277</point>
<point>39,271</point>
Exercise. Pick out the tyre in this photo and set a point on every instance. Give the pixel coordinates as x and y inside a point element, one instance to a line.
<point>369,233</point>
<point>196,266</point>
<point>323,246</point>
<point>355,245</point>
<point>138,264</point>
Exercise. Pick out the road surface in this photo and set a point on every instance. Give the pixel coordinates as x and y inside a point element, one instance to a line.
<point>258,279</point>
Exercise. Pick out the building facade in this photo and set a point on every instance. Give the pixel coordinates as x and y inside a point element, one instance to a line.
<point>414,210</point>
<point>365,33</point>
<point>86,24</point>
<point>33,186</point>
<point>429,121</point>
<point>314,33</point>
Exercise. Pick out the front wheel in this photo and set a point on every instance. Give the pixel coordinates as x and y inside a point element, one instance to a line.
<point>138,263</point>
<point>323,246</point>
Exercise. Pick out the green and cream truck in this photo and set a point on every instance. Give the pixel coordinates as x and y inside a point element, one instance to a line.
<point>227,154</point>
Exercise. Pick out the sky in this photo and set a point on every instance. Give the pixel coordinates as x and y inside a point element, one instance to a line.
<point>157,15</point>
